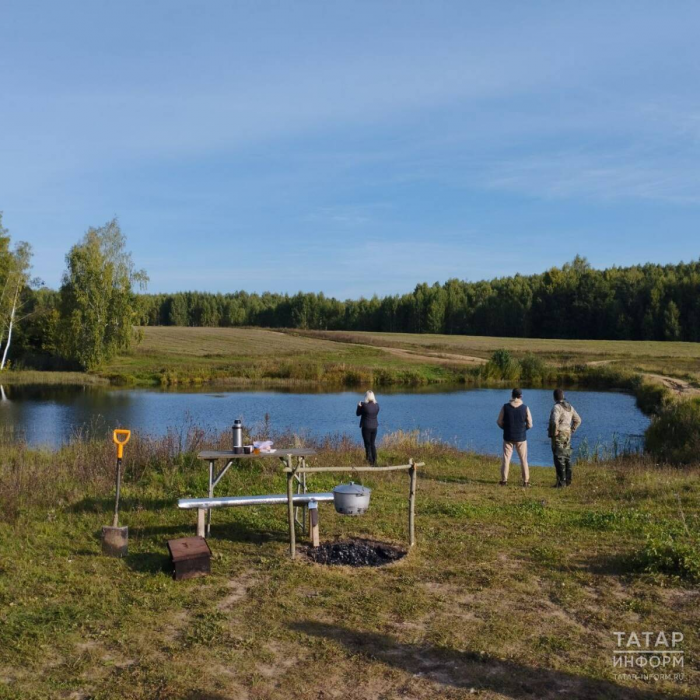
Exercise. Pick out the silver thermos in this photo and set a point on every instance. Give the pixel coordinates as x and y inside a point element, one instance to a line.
<point>237,431</point>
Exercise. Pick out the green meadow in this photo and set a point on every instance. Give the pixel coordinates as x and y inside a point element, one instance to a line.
<point>508,593</point>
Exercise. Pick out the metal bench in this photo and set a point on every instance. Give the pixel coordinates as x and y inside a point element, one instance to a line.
<point>203,505</point>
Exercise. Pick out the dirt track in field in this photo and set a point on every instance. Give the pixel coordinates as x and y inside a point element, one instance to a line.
<point>677,386</point>
<point>440,358</point>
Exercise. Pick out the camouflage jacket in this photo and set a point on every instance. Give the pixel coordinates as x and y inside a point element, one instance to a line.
<point>563,419</point>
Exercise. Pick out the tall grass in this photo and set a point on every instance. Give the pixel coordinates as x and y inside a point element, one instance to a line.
<point>288,372</point>
<point>598,451</point>
<point>674,433</point>
<point>84,467</point>
<point>26,376</point>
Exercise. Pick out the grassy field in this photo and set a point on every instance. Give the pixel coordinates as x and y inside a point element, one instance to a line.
<point>173,356</point>
<point>170,355</point>
<point>510,593</point>
<point>670,358</point>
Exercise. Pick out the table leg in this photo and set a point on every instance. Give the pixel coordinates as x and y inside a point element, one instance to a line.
<point>211,495</point>
<point>412,504</point>
<point>290,510</point>
<point>305,510</point>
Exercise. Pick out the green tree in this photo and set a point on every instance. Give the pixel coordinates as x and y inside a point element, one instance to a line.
<point>672,322</point>
<point>98,305</point>
<point>179,314</point>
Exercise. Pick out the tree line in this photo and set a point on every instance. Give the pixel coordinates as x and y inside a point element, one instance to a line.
<point>641,302</point>
<point>94,313</point>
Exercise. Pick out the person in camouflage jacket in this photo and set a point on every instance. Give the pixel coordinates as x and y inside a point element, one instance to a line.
<point>563,423</point>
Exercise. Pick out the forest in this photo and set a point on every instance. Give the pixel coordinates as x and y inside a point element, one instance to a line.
<point>643,302</point>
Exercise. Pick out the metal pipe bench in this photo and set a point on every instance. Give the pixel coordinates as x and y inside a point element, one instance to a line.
<point>286,455</point>
<point>204,505</point>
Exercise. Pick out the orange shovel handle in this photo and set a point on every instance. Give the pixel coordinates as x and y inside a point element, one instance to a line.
<point>125,435</point>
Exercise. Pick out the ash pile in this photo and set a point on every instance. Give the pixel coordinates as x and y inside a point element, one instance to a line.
<point>356,553</point>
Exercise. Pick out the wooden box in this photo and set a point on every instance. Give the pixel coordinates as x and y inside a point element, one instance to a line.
<point>190,556</point>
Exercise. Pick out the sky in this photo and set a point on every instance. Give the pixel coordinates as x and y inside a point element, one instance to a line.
<point>351,147</point>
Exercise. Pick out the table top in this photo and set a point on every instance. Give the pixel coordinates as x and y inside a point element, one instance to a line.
<point>279,452</point>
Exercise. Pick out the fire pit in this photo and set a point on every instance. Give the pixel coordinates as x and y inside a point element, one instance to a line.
<point>356,553</point>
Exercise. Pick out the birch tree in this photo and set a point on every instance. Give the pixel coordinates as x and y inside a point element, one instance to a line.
<point>98,304</point>
<point>15,266</point>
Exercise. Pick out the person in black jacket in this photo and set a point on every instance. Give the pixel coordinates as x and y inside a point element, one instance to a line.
<point>515,420</point>
<point>367,410</point>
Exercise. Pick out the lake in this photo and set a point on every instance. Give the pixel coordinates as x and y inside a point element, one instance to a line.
<point>464,417</point>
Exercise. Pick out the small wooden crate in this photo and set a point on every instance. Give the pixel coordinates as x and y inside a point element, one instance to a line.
<point>190,556</point>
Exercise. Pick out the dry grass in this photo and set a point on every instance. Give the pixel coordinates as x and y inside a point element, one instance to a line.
<point>484,346</point>
<point>224,342</point>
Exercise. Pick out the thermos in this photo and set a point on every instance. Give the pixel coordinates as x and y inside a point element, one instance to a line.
<point>237,431</point>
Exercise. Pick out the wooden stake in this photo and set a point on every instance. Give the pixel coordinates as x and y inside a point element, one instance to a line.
<point>201,522</point>
<point>313,521</point>
<point>412,504</point>
<point>290,510</point>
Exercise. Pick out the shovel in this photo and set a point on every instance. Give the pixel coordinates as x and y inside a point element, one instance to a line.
<point>115,539</point>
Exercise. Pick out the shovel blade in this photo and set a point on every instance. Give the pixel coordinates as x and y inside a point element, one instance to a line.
<point>115,541</point>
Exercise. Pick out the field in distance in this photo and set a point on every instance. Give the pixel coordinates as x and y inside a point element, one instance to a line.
<point>175,355</point>
<point>176,341</point>
<point>664,357</point>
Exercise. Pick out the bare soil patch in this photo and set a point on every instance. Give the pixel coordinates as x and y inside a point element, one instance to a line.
<point>677,386</point>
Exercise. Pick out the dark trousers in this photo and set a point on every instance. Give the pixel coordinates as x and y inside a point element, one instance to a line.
<point>561,451</point>
<point>369,435</point>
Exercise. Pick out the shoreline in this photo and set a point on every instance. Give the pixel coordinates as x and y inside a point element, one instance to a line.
<point>650,390</point>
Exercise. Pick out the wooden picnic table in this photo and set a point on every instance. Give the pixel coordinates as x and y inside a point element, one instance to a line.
<point>286,455</point>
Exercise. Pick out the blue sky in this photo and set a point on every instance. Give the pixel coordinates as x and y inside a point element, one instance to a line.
<point>351,147</point>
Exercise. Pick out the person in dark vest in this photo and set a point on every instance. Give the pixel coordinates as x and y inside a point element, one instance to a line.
<point>368,410</point>
<point>563,423</point>
<point>515,420</point>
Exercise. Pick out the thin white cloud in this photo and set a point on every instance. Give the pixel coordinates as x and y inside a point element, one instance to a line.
<point>606,176</point>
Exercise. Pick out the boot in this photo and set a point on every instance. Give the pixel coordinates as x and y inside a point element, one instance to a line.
<point>561,480</point>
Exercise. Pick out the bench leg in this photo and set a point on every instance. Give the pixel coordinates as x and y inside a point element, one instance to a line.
<point>201,522</point>
<point>313,518</point>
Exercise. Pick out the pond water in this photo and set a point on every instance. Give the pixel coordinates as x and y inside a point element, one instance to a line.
<point>465,418</point>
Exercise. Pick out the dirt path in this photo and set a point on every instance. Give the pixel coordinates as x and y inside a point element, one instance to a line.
<point>680,387</point>
<point>439,358</point>
<point>677,386</point>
